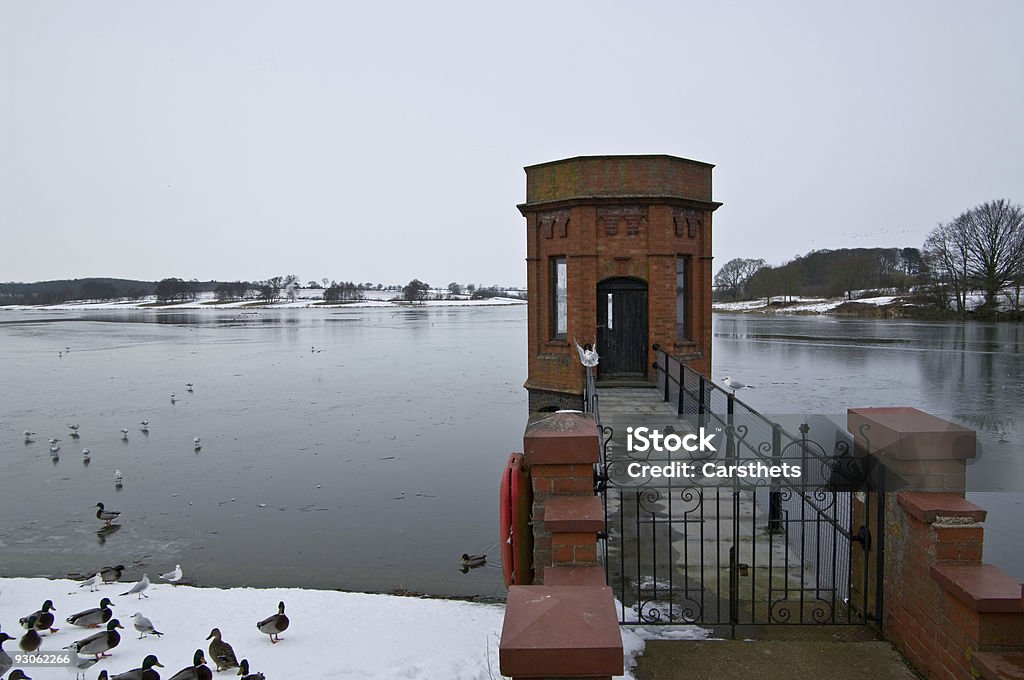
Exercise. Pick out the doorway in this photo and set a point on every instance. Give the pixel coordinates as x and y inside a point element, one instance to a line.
<point>622,328</point>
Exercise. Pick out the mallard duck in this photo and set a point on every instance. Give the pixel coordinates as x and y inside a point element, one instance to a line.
<point>243,670</point>
<point>111,573</point>
<point>5,660</point>
<point>31,640</point>
<point>144,625</point>
<point>221,652</point>
<point>139,588</point>
<point>107,516</point>
<point>197,671</point>
<point>43,617</point>
<point>101,642</point>
<point>18,674</point>
<point>93,618</point>
<point>146,672</point>
<point>473,560</point>
<point>274,625</point>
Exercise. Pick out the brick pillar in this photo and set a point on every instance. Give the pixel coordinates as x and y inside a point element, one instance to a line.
<point>906,450</point>
<point>948,613</point>
<point>568,626</point>
<point>560,450</point>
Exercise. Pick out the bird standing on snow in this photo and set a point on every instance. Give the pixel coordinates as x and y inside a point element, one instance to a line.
<point>139,588</point>
<point>173,576</point>
<point>41,619</point>
<point>93,582</point>
<point>93,618</point>
<point>102,513</point>
<point>274,625</point>
<point>221,652</point>
<point>736,384</point>
<point>144,673</point>
<point>100,643</point>
<point>31,640</point>
<point>144,625</point>
<point>197,671</point>
<point>5,660</point>
<point>243,670</point>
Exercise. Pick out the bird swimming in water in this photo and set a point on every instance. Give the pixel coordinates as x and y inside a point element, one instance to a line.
<point>93,618</point>
<point>102,513</point>
<point>118,479</point>
<point>144,426</point>
<point>146,672</point>
<point>100,643</point>
<point>173,576</point>
<point>139,588</point>
<point>195,443</point>
<point>473,561</point>
<point>274,625</point>
<point>86,453</point>
<point>144,625</point>
<point>73,428</point>
<point>188,386</point>
<point>197,671</point>
<point>54,448</point>
<point>124,433</point>
<point>221,652</point>
<point>172,398</point>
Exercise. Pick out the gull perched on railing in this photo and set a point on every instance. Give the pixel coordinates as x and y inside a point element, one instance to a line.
<point>588,357</point>
<point>736,384</point>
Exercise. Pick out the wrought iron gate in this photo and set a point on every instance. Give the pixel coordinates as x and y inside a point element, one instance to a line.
<point>738,552</point>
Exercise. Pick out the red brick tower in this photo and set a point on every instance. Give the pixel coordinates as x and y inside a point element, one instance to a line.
<point>618,255</point>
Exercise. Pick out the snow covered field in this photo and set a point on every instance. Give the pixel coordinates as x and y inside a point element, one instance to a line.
<point>332,634</point>
<point>798,305</point>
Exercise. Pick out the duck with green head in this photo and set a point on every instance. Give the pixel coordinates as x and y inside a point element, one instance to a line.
<point>100,643</point>
<point>197,671</point>
<point>146,672</point>
<point>243,670</point>
<point>93,618</point>
<point>274,625</point>
<point>43,617</point>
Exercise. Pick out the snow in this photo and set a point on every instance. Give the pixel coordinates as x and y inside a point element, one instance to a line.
<point>208,301</point>
<point>332,634</point>
<point>798,305</point>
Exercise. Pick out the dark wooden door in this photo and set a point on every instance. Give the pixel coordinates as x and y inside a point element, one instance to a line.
<point>622,328</point>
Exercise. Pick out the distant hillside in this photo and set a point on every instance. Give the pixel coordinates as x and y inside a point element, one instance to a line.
<point>821,273</point>
<point>55,292</point>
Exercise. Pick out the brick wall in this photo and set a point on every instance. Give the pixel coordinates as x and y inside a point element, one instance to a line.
<point>616,217</point>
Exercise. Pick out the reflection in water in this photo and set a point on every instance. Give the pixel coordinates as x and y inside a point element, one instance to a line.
<point>971,373</point>
<point>106,531</point>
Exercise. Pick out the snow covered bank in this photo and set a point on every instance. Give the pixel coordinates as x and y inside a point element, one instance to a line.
<point>210,303</point>
<point>798,305</point>
<point>332,634</point>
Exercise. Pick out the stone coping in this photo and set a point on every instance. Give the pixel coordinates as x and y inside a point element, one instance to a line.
<point>906,433</point>
<point>984,588</point>
<point>560,631</point>
<point>927,506</point>
<point>561,439</point>
<point>999,665</point>
<point>574,514</point>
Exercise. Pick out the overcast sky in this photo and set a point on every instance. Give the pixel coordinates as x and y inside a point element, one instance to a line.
<point>386,141</point>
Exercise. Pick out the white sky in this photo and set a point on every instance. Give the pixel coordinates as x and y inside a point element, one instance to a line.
<point>386,141</point>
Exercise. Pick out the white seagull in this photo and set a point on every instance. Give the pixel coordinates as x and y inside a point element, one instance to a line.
<point>195,443</point>
<point>144,625</point>
<point>139,588</point>
<point>92,583</point>
<point>173,576</point>
<point>74,427</point>
<point>736,384</point>
<point>588,357</point>
<point>85,453</point>
<point>188,386</point>
<point>118,479</point>
<point>124,433</point>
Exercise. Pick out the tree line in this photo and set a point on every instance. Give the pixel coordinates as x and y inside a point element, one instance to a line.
<point>981,251</point>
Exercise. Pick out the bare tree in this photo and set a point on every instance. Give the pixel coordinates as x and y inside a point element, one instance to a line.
<point>734,275</point>
<point>995,243</point>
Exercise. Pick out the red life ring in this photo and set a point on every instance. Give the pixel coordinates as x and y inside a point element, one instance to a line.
<point>516,538</point>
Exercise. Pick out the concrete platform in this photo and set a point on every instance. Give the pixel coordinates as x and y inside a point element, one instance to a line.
<point>771,660</point>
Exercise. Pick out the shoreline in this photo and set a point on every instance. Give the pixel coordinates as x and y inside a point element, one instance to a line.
<point>250,305</point>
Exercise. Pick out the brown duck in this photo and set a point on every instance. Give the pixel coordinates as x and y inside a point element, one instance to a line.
<point>221,652</point>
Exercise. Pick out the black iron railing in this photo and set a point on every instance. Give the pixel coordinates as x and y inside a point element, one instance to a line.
<point>681,552</point>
